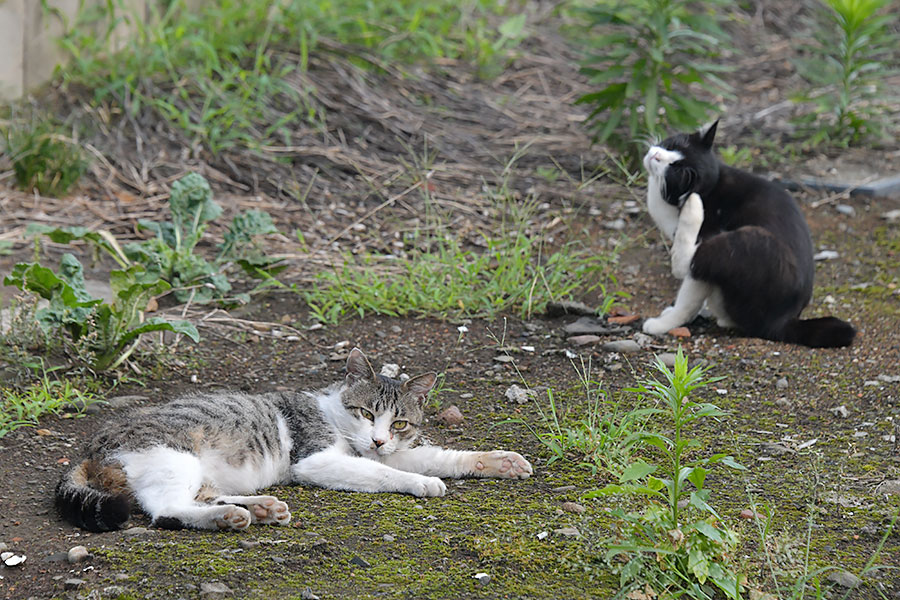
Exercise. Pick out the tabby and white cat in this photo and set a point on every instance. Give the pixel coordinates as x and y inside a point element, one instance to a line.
<point>739,243</point>
<point>192,462</point>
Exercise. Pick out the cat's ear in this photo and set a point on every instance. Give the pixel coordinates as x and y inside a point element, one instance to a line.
<point>358,366</point>
<point>710,135</point>
<point>420,386</point>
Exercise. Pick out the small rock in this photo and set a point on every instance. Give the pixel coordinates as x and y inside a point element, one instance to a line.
<point>583,340</point>
<point>77,554</point>
<point>278,560</point>
<point>450,416</point>
<point>622,346</point>
<point>56,557</point>
<point>563,488</point>
<point>3,547</point>
<point>587,326</point>
<point>749,514</point>
<point>543,535</point>
<point>73,583</point>
<point>466,396</point>
<point>388,538</point>
<point>568,307</point>
<point>775,449</point>
<point>840,411</point>
<point>615,225</point>
<point>889,486</point>
<point>680,332</point>
<point>10,559</point>
<point>483,578</point>
<point>567,531</point>
<point>826,255</point>
<point>667,358</point>
<point>889,378</point>
<point>247,544</point>
<point>519,395</point>
<point>623,319</point>
<point>214,589</point>
<point>114,591</point>
<point>573,507</point>
<point>781,383</point>
<point>846,209</point>
<point>504,358</point>
<point>136,531</point>
<point>390,370</point>
<point>891,215</point>
<point>307,594</point>
<point>844,579</point>
<point>359,562</point>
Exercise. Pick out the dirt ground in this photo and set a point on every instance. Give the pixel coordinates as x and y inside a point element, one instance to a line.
<point>822,470</point>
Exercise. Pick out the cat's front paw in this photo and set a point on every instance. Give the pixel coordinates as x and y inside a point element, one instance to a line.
<point>426,487</point>
<point>691,213</point>
<point>657,325</point>
<point>499,463</point>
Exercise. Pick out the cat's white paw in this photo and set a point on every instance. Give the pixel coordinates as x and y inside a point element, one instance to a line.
<point>233,517</point>
<point>691,213</point>
<point>499,463</point>
<point>657,325</point>
<point>426,486</point>
<point>270,511</point>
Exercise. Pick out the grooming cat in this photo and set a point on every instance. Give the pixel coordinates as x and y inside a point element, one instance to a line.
<point>739,243</point>
<point>192,462</point>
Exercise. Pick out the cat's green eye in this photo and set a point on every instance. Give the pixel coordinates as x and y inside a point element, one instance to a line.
<point>398,425</point>
<point>366,414</point>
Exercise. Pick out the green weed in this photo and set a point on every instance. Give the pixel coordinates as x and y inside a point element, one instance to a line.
<point>226,74</point>
<point>648,57</point>
<point>46,396</point>
<point>847,68</point>
<point>666,550</point>
<point>43,156</point>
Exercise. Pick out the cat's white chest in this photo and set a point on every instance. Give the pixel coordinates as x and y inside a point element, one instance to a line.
<point>663,214</point>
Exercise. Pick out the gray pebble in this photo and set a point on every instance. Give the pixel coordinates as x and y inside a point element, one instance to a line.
<point>114,591</point>
<point>136,531</point>
<point>483,578</point>
<point>586,326</point>
<point>775,449</point>
<point>584,340</point>
<point>573,507</point>
<point>622,346</point>
<point>73,583</point>
<point>388,538</point>
<point>247,544</point>
<point>396,329</point>
<point>214,589</point>
<point>519,395</point>
<point>359,562</point>
<point>840,411</point>
<point>826,255</point>
<point>125,401</point>
<point>77,554</point>
<point>844,579</point>
<point>667,358</point>
<point>781,383</point>
<point>846,209</point>
<point>567,531</point>
<point>889,486</point>
<point>307,593</point>
<point>3,547</point>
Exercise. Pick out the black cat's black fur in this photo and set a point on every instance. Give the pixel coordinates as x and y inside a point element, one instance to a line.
<point>754,245</point>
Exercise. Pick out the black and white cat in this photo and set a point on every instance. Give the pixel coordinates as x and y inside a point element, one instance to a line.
<point>192,462</point>
<point>739,243</point>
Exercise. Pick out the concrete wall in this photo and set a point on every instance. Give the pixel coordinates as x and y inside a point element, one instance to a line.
<point>29,51</point>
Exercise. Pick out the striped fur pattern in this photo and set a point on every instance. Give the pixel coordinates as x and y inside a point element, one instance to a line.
<point>198,461</point>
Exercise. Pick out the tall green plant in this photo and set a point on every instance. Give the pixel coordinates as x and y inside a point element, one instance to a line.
<point>677,546</point>
<point>647,56</point>
<point>847,66</point>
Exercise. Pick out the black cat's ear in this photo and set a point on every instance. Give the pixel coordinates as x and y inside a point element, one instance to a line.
<point>420,386</point>
<point>710,135</point>
<point>358,366</point>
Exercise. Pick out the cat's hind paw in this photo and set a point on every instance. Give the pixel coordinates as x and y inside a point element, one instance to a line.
<point>506,465</point>
<point>270,511</point>
<point>236,518</point>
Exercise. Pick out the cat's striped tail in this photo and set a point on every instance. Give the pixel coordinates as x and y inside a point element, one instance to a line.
<point>824,332</point>
<point>94,497</point>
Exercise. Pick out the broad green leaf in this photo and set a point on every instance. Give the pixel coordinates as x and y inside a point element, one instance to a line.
<point>706,528</point>
<point>698,564</point>
<point>636,470</point>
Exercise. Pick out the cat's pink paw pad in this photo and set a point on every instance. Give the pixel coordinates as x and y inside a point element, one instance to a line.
<point>234,517</point>
<point>271,511</point>
<point>509,465</point>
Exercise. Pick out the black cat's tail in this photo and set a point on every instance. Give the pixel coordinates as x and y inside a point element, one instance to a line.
<point>94,497</point>
<point>824,332</point>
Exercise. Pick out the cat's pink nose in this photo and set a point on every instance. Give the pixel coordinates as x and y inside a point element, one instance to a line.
<point>656,156</point>
<point>378,443</point>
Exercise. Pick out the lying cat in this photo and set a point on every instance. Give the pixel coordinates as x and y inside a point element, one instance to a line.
<point>189,463</point>
<point>740,244</point>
